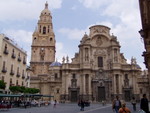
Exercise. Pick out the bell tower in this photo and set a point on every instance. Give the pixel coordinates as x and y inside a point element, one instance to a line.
<point>43,44</point>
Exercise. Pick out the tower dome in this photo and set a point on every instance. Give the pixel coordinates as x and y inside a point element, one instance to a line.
<point>55,64</point>
<point>46,11</point>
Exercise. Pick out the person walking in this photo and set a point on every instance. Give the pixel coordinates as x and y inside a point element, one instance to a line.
<point>82,105</point>
<point>133,102</point>
<point>55,102</point>
<point>124,109</point>
<point>144,104</point>
<point>116,104</point>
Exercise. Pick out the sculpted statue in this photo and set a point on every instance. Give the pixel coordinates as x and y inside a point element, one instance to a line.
<point>63,60</point>
<point>67,59</point>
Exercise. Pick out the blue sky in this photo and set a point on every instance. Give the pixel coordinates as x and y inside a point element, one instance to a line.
<point>71,19</point>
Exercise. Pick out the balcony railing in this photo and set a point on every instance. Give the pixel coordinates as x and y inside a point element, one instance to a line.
<point>4,70</point>
<point>18,75</point>
<point>24,62</point>
<point>13,56</point>
<point>6,51</point>
<point>19,59</point>
<point>23,77</point>
<point>12,73</point>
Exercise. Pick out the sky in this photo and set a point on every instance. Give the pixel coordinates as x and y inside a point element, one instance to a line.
<point>71,19</point>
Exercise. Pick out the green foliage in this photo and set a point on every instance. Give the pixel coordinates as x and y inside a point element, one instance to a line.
<point>22,89</point>
<point>2,84</point>
<point>14,89</point>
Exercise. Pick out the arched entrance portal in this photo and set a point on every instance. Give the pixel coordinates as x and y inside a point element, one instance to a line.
<point>101,93</point>
<point>74,94</point>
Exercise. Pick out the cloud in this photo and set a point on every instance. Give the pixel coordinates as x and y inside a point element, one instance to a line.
<point>75,34</point>
<point>22,39</point>
<point>94,4</point>
<point>24,9</point>
<point>74,8</point>
<point>19,35</point>
<point>59,51</point>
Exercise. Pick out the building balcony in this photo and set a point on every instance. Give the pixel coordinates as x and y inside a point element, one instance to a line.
<point>23,77</point>
<point>11,84</point>
<point>6,51</point>
<point>4,70</point>
<point>18,75</point>
<point>19,59</point>
<point>13,56</point>
<point>24,62</point>
<point>12,73</point>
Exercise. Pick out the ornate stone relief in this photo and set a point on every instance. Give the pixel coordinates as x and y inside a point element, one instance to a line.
<point>98,30</point>
<point>99,41</point>
<point>42,53</point>
<point>100,52</point>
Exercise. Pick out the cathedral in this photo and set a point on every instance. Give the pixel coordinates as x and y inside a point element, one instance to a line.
<point>97,72</point>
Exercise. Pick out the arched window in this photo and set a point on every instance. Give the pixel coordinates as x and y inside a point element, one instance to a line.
<point>17,83</point>
<point>48,29</point>
<point>100,61</point>
<point>40,29</point>
<point>11,67</point>
<point>51,39</point>
<point>74,76</point>
<point>44,30</point>
<point>10,81</point>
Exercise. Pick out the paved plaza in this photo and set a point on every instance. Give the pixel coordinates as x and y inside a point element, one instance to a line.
<point>66,108</point>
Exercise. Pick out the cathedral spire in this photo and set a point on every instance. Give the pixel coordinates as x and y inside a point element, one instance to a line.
<point>46,5</point>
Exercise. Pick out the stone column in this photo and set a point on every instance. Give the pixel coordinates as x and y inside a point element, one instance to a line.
<point>66,87</point>
<point>89,85</point>
<point>80,82</point>
<point>83,84</point>
<point>114,83</point>
<point>119,83</point>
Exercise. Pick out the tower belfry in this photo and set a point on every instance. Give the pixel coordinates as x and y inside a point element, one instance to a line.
<point>43,43</point>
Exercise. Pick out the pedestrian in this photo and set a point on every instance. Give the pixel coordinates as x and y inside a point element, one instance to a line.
<point>82,105</point>
<point>144,104</point>
<point>55,102</point>
<point>124,109</point>
<point>133,102</point>
<point>116,104</point>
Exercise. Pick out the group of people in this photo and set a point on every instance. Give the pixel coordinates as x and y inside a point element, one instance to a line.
<point>121,107</point>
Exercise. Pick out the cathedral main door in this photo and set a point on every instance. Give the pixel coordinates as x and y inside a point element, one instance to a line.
<point>74,96</point>
<point>101,93</point>
<point>127,95</point>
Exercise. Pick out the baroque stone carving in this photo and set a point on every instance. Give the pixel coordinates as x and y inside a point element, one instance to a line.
<point>99,40</point>
<point>100,52</point>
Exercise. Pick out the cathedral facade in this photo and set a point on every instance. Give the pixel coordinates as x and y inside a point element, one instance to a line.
<point>99,71</point>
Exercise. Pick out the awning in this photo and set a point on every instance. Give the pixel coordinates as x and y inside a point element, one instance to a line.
<point>36,95</point>
<point>9,95</point>
<point>25,95</point>
<point>47,96</point>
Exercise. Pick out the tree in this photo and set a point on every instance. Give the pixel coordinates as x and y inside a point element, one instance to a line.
<point>2,84</point>
<point>14,89</point>
<point>22,89</point>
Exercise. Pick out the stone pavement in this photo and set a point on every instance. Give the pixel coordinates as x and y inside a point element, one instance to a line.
<point>66,108</point>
